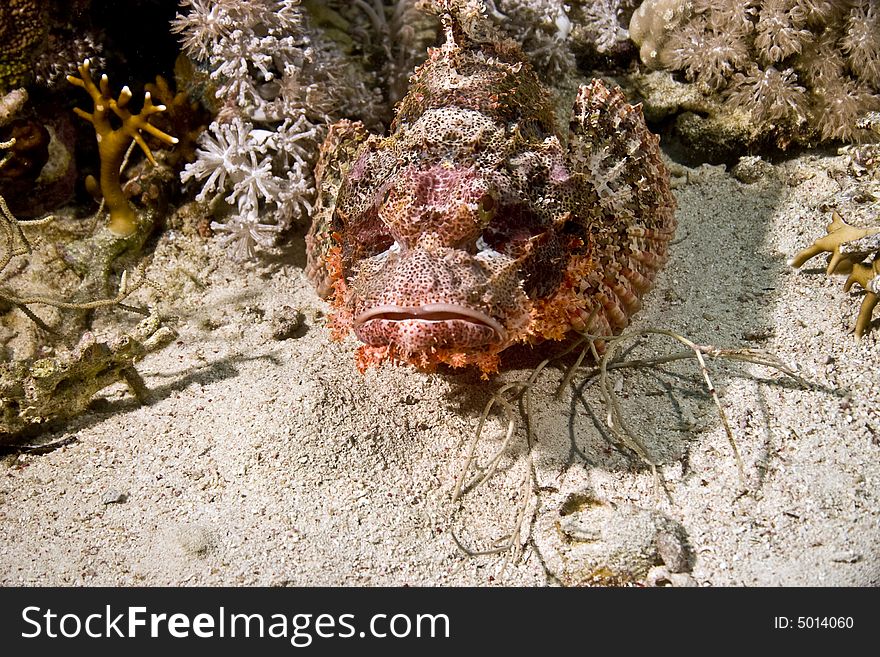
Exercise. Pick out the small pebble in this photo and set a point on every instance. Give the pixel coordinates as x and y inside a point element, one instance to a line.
<point>286,321</point>
<point>673,551</point>
<point>846,556</point>
<point>751,169</point>
<point>114,497</point>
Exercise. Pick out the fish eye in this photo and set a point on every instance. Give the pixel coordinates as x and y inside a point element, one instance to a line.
<point>486,207</point>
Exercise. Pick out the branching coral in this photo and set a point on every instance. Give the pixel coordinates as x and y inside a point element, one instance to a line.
<point>853,250</point>
<point>113,142</point>
<point>280,81</point>
<point>36,390</point>
<point>237,159</point>
<point>804,69</point>
<point>838,233</point>
<point>117,129</point>
<point>867,275</point>
<point>390,35</point>
<point>544,29</point>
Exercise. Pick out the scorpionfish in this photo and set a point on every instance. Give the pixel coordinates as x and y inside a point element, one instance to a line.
<point>478,223</point>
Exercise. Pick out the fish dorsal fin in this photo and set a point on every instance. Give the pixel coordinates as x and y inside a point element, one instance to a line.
<point>465,21</point>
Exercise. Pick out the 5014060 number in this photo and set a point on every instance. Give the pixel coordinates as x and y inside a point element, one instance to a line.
<point>813,622</point>
<point>824,622</point>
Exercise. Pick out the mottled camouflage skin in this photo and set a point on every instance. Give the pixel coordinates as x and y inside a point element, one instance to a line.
<point>474,225</point>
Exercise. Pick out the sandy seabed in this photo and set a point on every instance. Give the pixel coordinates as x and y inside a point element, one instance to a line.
<point>273,461</point>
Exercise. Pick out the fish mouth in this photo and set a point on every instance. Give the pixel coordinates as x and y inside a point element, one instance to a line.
<point>432,313</point>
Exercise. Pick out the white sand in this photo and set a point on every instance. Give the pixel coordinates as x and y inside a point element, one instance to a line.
<point>267,461</point>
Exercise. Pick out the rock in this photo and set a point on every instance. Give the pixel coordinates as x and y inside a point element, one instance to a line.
<point>674,552</point>
<point>114,496</point>
<point>846,556</point>
<point>660,576</point>
<point>285,323</point>
<point>592,542</point>
<point>751,169</point>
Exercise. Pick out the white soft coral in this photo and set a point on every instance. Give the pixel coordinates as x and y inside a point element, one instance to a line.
<point>278,81</point>
<point>256,154</point>
<point>239,161</point>
<point>222,149</point>
<point>204,23</point>
<point>241,236</point>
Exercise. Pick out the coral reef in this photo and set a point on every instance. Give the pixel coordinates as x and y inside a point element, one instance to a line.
<point>22,32</point>
<point>38,391</point>
<point>803,71</point>
<point>559,36</point>
<point>183,117</point>
<point>30,150</point>
<point>264,174</point>
<point>117,130</point>
<point>71,37</point>
<point>279,81</point>
<point>855,250</point>
<point>543,28</point>
<point>114,142</point>
<point>652,25</point>
<point>390,36</point>
<point>40,173</point>
<point>600,35</point>
<point>41,41</point>
<point>64,51</point>
<point>284,70</point>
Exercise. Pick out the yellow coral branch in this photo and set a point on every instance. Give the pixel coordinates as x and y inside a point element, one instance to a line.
<point>864,275</point>
<point>838,233</point>
<point>112,143</point>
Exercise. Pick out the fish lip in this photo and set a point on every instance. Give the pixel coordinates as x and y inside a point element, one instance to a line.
<point>432,312</point>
